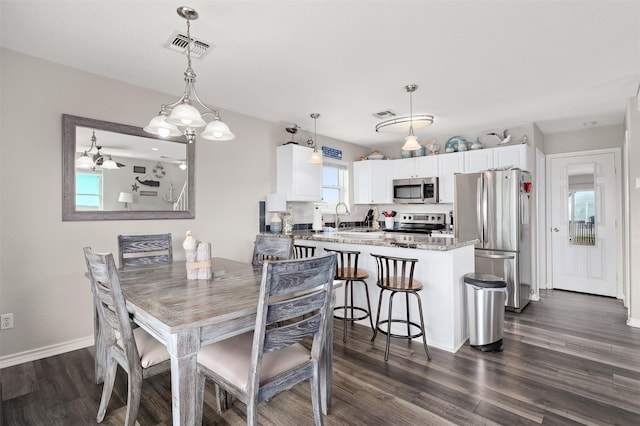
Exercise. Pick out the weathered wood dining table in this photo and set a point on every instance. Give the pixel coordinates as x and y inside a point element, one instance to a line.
<point>187,314</point>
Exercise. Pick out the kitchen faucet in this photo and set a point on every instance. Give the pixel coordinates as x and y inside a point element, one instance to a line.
<point>346,208</point>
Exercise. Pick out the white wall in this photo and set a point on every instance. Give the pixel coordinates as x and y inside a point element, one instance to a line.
<point>41,264</point>
<point>584,140</point>
<point>633,213</point>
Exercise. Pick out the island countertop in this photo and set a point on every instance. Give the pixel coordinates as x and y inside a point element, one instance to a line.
<point>381,238</point>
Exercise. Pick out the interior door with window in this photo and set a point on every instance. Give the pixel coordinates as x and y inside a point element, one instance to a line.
<point>584,210</point>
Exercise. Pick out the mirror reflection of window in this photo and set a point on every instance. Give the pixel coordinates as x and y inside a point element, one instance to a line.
<point>581,209</point>
<point>88,191</point>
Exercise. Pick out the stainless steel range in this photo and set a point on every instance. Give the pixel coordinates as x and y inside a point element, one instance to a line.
<point>419,223</point>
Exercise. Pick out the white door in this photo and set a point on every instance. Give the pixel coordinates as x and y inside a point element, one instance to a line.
<point>584,211</point>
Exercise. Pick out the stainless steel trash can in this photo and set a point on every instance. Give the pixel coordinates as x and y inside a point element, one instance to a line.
<point>486,295</point>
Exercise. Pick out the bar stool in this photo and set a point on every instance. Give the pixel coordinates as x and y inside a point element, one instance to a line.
<point>301,251</point>
<point>347,270</point>
<point>395,274</point>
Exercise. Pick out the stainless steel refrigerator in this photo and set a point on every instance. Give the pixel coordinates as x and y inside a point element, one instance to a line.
<point>494,206</point>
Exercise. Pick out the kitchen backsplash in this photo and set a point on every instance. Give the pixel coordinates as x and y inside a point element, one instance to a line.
<point>302,213</point>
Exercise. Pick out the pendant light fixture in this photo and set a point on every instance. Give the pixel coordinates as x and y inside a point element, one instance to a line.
<point>316,156</point>
<point>182,117</point>
<point>411,142</point>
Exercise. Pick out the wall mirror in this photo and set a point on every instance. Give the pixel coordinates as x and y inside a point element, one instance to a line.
<point>581,197</point>
<point>125,174</point>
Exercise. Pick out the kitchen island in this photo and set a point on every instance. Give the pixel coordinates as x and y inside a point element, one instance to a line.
<point>442,263</point>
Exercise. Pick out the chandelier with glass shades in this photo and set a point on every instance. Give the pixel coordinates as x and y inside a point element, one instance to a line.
<point>182,117</point>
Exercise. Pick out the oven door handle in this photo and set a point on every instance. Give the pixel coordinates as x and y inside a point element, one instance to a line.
<point>495,256</point>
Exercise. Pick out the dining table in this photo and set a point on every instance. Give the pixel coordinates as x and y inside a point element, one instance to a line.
<point>186,314</point>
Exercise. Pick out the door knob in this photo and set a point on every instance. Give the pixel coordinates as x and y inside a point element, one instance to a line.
<point>556,230</point>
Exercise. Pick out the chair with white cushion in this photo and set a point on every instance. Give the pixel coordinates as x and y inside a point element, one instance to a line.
<point>136,351</point>
<point>255,366</point>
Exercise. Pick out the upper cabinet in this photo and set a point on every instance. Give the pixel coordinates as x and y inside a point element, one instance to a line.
<point>512,156</point>
<point>414,167</point>
<point>372,182</point>
<point>478,160</point>
<point>296,177</point>
<point>448,165</point>
<point>370,187</point>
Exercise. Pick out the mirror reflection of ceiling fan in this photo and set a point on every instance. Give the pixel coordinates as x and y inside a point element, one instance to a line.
<point>99,158</point>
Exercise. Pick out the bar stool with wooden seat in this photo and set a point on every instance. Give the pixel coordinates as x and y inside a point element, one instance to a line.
<point>347,270</point>
<point>395,274</point>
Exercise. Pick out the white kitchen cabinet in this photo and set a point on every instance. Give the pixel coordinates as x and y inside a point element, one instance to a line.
<point>372,182</point>
<point>448,165</point>
<point>295,176</point>
<point>478,160</point>
<point>511,156</point>
<point>414,167</point>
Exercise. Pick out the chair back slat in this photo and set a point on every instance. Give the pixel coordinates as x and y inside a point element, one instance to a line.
<point>137,250</point>
<point>287,335</point>
<point>271,248</point>
<point>292,308</point>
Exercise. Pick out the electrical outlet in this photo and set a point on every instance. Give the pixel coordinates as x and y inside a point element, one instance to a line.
<point>6,321</point>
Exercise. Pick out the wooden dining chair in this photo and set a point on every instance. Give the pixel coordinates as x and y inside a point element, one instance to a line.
<point>271,248</point>
<point>255,366</point>
<point>301,251</point>
<point>136,250</point>
<point>136,351</point>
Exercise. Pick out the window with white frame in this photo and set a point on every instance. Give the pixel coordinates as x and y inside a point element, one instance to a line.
<point>335,185</point>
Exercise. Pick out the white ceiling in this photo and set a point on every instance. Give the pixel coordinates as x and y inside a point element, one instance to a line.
<point>478,64</point>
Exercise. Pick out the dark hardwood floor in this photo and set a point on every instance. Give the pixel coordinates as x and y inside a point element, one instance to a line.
<point>568,359</point>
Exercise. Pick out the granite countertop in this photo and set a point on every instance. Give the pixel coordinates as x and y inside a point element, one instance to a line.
<point>381,238</point>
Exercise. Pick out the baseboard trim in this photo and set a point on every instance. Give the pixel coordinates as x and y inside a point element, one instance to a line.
<point>44,352</point>
<point>632,322</point>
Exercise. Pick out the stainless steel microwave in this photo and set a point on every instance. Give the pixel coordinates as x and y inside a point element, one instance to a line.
<point>416,190</point>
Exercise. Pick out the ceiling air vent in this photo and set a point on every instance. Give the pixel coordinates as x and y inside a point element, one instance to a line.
<point>384,114</point>
<point>178,42</point>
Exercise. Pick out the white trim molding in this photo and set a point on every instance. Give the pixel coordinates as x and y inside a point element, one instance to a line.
<point>44,352</point>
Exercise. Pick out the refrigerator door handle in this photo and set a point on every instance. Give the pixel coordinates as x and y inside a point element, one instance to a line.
<point>480,209</point>
<point>495,256</point>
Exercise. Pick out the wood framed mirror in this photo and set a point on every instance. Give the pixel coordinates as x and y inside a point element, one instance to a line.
<point>153,177</point>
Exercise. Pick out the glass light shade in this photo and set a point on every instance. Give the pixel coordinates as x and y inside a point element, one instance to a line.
<point>159,126</point>
<point>411,143</point>
<point>217,130</point>
<point>108,163</point>
<point>316,157</point>
<point>84,161</point>
<point>187,116</point>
